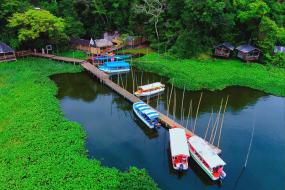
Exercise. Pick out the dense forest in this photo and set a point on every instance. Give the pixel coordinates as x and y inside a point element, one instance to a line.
<point>184,28</point>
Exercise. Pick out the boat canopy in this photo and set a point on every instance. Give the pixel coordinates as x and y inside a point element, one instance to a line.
<point>151,86</point>
<point>206,152</point>
<point>178,142</point>
<point>147,110</point>
<point>116,64</point>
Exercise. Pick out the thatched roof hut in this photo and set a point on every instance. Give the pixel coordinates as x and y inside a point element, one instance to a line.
<point>103,43</point>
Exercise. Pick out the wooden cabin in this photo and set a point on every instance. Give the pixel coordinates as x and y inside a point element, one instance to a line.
<point>248,53</point>
<point>6,53</point>
<point>84,45</point>
<point>224,50</point>
<point>135,41</point>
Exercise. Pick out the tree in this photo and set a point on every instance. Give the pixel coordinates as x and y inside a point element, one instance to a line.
<point>152,8</point>
<point>39,25</point>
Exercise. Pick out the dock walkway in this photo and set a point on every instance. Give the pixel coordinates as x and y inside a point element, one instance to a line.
<point>104,78</point>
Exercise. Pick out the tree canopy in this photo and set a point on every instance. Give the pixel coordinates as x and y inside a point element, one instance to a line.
<point>186,28</point>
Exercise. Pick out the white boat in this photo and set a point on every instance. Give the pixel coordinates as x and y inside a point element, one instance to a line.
<point>146,114</point>
<point>150,89</point>
<point>179,149</point>
<point>206,158</point>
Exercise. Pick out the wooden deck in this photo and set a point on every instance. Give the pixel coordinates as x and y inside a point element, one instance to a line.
<point>104,78</point>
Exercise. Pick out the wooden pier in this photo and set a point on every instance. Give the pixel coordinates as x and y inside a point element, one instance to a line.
<point>104,78</point>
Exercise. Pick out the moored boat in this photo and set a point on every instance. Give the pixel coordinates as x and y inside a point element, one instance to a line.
<point>146,114</point>
<point>115,67</point>
<point>150,89</point>
<point>208,160</point>
<point>179,149</point>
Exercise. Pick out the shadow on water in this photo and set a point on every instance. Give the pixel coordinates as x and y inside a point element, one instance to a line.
<point>117,138</point>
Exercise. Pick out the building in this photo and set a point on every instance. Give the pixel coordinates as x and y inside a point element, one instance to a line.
<point>279,49</point>
<point>135,41</point>
<point>224,50</point>
<point>247,52</point>
<point>6,53</point>
<point>84,45</point>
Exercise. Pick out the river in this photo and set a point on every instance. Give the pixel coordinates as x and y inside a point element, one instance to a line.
<point>118,139</point>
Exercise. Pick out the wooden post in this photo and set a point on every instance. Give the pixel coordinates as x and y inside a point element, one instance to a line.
<point>209,122</point>
<point>214,130</point>
<point>182,113</point>
<point>249,147</point>
<point>197,111</point>
<point>222,122</point>
<point>169,99</point>
<point>189,112</point>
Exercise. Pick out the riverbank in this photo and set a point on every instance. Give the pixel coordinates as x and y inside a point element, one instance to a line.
<point>214,74</point>
<point>39,147</point>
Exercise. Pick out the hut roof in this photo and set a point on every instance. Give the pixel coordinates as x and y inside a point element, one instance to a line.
<point>4,48</point>
<point>103,43</point>
<point>227,45</point>
<point>279,49</point>
<point>245,48</point>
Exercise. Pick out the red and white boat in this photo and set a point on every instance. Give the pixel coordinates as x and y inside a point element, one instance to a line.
<point>179,149</point>
<point>206,158</point>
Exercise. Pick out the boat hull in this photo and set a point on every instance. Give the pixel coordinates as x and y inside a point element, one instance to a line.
<point>150,93</point>
<point>206,170</point>
<point>142,119</point>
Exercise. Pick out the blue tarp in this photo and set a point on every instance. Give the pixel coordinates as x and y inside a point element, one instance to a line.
<point>145,109</point>
<point>113,64</point>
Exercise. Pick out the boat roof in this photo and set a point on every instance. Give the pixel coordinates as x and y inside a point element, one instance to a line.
<point>150,86</point>
<point>178,142</point>
<point>116,64</point>
<point>205,151</point>
<point>147,110</point>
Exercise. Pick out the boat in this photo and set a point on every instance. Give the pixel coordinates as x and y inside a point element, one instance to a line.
<point>150,89</point>
<point>179,149</point>
<point>206,158</point>
<point>111,57</point>
<point>146,114</point>
<point>115,67</point>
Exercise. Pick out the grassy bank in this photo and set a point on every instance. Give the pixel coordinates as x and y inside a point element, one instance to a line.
<point>215,74</point>
<point>39,148</point>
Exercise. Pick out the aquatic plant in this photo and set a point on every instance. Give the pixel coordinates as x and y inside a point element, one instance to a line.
<point>40,149</point>
<point>215,74</point>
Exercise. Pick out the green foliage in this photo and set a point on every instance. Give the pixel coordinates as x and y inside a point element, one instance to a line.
<point>267,34</point>
<point>143,51</point>
<point>34,24</point>
<point>40,149</point>
<point>215,74</point>
<point>277,60</point>
<point>252,10</point>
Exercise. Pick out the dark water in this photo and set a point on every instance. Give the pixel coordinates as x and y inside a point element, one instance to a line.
<point>118,139</point>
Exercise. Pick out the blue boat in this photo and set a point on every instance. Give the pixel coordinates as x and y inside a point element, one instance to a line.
<point>146,114</point>
<point>113,57</point>
<point>115,67</point>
